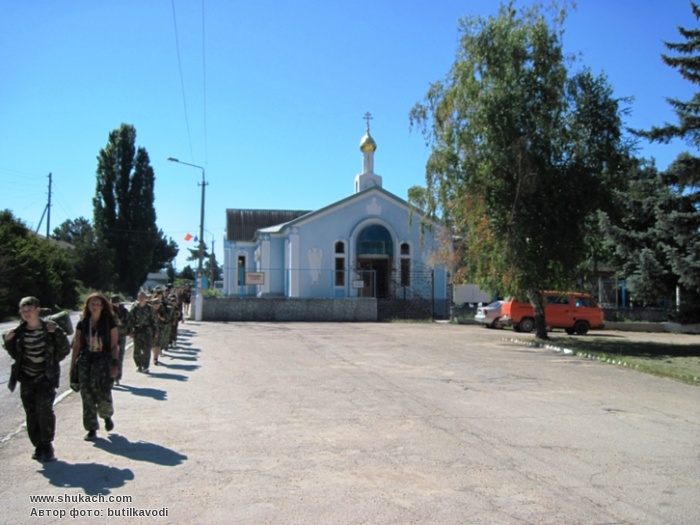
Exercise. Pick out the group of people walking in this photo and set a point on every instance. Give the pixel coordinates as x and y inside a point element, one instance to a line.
<point>97,357</point>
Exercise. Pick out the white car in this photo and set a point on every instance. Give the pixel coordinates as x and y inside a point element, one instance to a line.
<point>490,315</point>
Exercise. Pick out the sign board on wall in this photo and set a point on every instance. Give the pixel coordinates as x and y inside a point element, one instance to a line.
<point>252,278</point>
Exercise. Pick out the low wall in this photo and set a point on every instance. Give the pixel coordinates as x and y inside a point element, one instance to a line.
<point>362,309</point>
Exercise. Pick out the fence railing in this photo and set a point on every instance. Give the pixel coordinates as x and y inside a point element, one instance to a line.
<point>302,282</point>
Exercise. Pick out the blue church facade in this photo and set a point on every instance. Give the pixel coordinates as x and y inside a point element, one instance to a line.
<point>370,244</point>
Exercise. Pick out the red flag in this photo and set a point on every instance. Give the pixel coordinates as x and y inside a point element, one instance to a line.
<point>188,237</point>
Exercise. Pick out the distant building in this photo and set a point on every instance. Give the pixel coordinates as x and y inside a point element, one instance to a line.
<point>369,244</point>
<point>154,280</point>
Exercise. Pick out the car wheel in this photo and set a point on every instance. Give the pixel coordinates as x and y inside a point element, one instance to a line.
<point>569,331</point>
<point>497,324</point>
<point>581,327</point>
<point>526,325</point>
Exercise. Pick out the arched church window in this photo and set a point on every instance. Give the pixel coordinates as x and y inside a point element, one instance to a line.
<point>340,247</point>
<point>405,248</point>
<point>375,240</point>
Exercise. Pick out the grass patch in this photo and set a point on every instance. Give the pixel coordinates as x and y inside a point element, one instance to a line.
<point>674,361</point>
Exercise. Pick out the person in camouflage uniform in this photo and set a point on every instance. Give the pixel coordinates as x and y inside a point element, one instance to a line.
<point>163,313</point>
<point>176,317</point>
<point>96,356</point>
<point>121,315</point>
<point>142,326</point>
<point>37,347</point>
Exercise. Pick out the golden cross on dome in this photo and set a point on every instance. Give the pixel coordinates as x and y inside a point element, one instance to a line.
<point>368,117</point>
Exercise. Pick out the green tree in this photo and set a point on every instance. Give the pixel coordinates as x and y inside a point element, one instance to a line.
<point>681,245</point>
<point>187,274</point>
<point>522,154</point>
<point>33,265</point>
<point>635,236</point>
<point>124,215</point>
<point>91,259</point>
<point>210,267</point>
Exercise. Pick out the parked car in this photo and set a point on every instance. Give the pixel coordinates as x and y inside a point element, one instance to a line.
<point>490,315</point>
<point>576,313</point>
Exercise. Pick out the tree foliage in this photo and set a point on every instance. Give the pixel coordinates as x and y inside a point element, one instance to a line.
<point>91,259</point>
<point>187,274</point>
<point>522,154</point>
<point>124,215</point>
<point>33,265</point>
<point>636,236</point>
<point>210,267</point>
<point>680,217</point>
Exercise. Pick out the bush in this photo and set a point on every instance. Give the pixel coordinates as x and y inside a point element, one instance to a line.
<point>687,314</point>
<point>33,265</point>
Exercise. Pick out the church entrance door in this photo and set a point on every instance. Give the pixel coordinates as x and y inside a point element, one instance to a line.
<point>375,274</point>
<point>375,252</point>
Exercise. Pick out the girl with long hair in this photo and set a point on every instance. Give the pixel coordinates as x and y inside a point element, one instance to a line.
<point>96,354</point>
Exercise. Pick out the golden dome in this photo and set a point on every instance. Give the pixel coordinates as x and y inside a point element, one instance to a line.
<point>367,143</point>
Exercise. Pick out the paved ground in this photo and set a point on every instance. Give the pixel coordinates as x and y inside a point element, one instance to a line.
<point>305,423</point>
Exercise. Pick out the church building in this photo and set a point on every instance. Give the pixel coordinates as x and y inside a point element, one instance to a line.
<point>369,244</point>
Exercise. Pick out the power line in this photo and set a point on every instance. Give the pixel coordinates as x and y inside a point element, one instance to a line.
<point>204,82</point>
<point>182,81</point>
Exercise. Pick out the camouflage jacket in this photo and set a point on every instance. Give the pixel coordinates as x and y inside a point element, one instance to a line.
<point>142,318</point>
<point>164,314</point>
<point>56,345</point>
<point>121,316</point>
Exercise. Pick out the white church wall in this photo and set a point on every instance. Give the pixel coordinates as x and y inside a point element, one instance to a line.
<point>275,268</point>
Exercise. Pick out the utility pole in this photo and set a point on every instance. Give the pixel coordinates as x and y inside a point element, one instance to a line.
<point>212,259</point>
<point>48,209</point>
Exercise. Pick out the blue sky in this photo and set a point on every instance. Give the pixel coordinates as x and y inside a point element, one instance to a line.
<point>274,94</point>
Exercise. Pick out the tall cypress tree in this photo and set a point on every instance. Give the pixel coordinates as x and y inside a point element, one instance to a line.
<point>125,219</point>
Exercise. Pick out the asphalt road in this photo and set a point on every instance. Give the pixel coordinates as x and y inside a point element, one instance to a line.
<point>324,423</point>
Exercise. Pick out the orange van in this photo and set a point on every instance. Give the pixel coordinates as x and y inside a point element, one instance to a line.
<point>574,312</point>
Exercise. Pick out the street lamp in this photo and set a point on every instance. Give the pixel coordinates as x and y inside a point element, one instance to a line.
<point>199,300</point>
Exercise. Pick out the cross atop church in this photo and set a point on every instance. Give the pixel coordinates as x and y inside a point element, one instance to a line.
<point>368,117</point>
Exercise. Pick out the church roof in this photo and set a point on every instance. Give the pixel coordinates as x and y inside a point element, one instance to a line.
<point>241,225</point>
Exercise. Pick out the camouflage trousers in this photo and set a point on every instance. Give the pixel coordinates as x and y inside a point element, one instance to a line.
<point>37,399</point>
<point>122,351</point>
<point>95,391</point>
<point>163,337</point>
<point>173,332</point>
<point>143,340</point>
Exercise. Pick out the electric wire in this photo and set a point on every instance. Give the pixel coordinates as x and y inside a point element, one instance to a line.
<point>204,82</point>
<point>182,81</point>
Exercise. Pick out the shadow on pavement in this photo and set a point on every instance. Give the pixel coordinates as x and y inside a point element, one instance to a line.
<point>184,368</point>
<point>140,450</point>
<point>93,478</point>
<point>166,375</point>
<point>154,393</point>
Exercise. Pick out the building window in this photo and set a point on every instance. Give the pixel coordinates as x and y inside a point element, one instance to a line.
<point>405,264</point>
<point>241,270</point>
<point>339,278</point>
<point>340,271</point>
<point>375,240</point>
<point>405,272</point>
